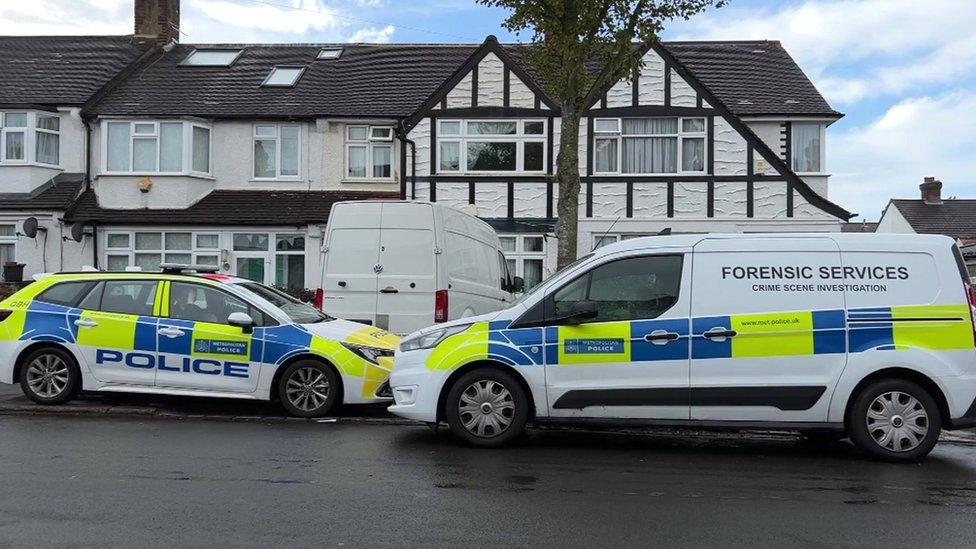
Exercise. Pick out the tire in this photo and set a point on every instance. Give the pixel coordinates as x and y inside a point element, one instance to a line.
<point>309,388</point>
<point>50,375</point>
<point>909,410</point>
<point>480,402</point>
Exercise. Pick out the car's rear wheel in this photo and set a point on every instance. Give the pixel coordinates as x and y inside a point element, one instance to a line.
<point>895,420</point>
<point>50,376</point>
<point>487,408</point>
<point>309,388</point>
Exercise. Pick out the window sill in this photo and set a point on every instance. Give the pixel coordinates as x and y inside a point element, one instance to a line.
<point>21,164</point>
<point>813,174</point>
<point>368,180</point>
<point>276,180</point>
<point>159,175</point>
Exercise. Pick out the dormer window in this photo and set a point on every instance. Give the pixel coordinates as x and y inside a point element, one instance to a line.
<point>284,77</point>
<point>212,58</point>
<point>330,53</point>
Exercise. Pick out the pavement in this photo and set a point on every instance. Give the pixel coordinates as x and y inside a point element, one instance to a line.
<point>87,480</point>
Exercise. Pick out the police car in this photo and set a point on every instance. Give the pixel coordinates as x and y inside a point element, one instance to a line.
<point>184,333</point>
<point>866,336</point>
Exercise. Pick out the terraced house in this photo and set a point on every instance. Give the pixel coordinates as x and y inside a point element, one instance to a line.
<point>232,155</point>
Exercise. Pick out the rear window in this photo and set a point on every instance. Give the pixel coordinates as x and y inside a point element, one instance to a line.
<point>65,293</point>
<point>960,263</point>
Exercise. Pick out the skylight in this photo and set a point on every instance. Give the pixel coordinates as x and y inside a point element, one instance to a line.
<point>283,76</point>
<point>330,53</point>
<point>212,58</point>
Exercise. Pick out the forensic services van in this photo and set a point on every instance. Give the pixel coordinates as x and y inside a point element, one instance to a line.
<point>401,266</point>
<point>186,334</point>
<point>868,336</point>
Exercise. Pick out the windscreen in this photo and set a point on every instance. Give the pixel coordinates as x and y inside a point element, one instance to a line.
<point>297,311</point>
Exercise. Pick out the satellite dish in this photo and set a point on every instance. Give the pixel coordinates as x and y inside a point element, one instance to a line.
<point>78,231</point>
<point>30,227</point>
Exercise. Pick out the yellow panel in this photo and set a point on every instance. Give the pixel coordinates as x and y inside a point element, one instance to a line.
<point>373,337</point>
<point>936,335</point>
<point>347,362</point>
<point>594,343</point>
<point>461,349</point>
<point>13,327</point>
<point>773,334</point>
<point>114,330</point>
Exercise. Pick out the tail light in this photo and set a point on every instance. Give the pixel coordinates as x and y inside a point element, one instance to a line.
<point>319,301</point>
<point>440,306</point>
<point>4,313</point>
<point>971,297</point>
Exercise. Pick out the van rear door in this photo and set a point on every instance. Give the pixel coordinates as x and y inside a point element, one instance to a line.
<point>349,280</point>
<point>406,279</point>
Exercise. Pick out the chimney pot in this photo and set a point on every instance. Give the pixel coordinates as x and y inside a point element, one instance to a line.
<point>931,190</point>
<point>156,21</point>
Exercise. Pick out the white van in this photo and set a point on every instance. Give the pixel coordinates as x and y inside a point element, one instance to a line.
<point>866,336</point>
<point>402,266</point>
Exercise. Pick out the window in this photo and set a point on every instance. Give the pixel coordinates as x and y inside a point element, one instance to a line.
<point>517,146</point>
<point>283,77</point>
<point>526,255</point>
<point>276,151</point>
<point>649,145</point>
<point>8,242</point>
<point>626,289</point>
<point>65,293</point>
<point>134,297</point>
<point>330,53</point>
<point>152,147</point>
<point>30,137</point>
<point>290,261</point>
<point>200,303</point>
<point>255,259</point>
<point>601,240</point>
<point>212,58</point>
<point>807,149</point>
<point>148,249</point>
<point>369,152</point>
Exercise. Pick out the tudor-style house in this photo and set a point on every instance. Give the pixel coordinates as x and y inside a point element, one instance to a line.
<point>233,154</point>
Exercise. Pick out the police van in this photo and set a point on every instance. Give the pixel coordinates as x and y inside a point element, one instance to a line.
<point>182,333</point>
<point>866,336</point>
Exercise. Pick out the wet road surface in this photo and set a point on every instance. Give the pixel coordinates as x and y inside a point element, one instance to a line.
<point>160,482</point>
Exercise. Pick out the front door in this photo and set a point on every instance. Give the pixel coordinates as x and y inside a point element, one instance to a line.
<point>198,349</point>
<point>631,359</point>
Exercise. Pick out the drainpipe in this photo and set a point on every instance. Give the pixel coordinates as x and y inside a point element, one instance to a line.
<point>88,147</point>
<point>94,245</point>
<point>413,160</point>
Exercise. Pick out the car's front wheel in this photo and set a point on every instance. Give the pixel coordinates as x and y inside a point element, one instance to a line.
<point>895,420</point>
<point>487,408</point>
<point>50,376</point>
<point>309,388</point>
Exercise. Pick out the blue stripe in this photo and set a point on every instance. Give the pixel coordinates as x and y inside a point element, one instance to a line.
<point>146,335</point>
<point>282,341</point>
<point>829,319</point>
<point>706,348</point>
<point>513,355</point>
<point>48,322</point>
<point>257,345</point>
<point>641,350</point>
<point>865,338</point>
<point>182,345</point>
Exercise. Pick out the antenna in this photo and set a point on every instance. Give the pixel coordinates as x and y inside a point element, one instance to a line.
<point>610,228</point>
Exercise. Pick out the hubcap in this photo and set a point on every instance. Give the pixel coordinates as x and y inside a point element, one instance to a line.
<point>897,421</point>
<point>486,408</point>
<point>307,389</point>
<point>47,376</point>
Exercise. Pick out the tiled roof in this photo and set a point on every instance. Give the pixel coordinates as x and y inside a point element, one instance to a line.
<point>859,227</point>
<point>229,207</point>
<point>55,195</point>
<point>752,77</point>
<point>60,70</point>
<point>953,217</point>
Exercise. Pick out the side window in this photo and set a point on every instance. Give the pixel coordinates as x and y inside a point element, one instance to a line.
<point>134,297</point>
<point>505,276</point>
<point>626,289</point>
<point>93,300</point>
<point>201,303</point>
<point>65,293</point>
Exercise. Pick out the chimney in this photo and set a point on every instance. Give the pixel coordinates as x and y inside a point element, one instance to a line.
<point>931,191</point>
<point>157,21</point>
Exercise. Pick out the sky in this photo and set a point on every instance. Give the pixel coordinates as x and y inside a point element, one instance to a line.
<point>902,71</point>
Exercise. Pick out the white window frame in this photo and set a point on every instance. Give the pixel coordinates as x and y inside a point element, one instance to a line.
<point>188,60</point>
<point>291,84</point>
<point>30,131</point>
<point>270,255</point>
<point>186,150</point>
<point>277,139</point>
<point>276,252</point>
<point>520,138</point>
<point>520,254</point>
<point>616,237</point>
<point>129,251</point>
<point>823,147</point>
<point>11,239</point>
<point>681,135</point>
<point>370,143</point>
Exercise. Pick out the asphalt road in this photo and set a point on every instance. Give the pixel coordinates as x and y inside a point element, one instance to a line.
<point>86,481</point>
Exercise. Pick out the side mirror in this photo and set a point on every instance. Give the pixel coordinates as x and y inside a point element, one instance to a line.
<point>518,284</point>
<point>242,321</point>
<point>582,311</point>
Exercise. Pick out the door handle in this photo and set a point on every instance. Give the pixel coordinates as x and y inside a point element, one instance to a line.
<point>85,323</point>
<point>661,337</point>
<point>171,332</point>
<point>389,290</point>
<point>719,333</point>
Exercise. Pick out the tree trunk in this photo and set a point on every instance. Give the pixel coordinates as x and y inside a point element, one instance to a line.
<point>568,178</point>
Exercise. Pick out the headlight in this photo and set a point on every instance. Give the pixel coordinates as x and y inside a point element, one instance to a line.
<point>371,354</point>
<point>431,339</point>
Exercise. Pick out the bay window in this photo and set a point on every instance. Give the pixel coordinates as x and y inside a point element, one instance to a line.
<point>369,152</point>
<point>30,137</point>
<point>156,147</point>
<point>634,146</point>
<point>491,146</point>
<point>277,151</point>
<point>807,147</point>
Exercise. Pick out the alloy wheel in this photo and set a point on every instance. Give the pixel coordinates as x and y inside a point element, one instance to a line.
<point>307,389</point>
<point>47,376</point>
